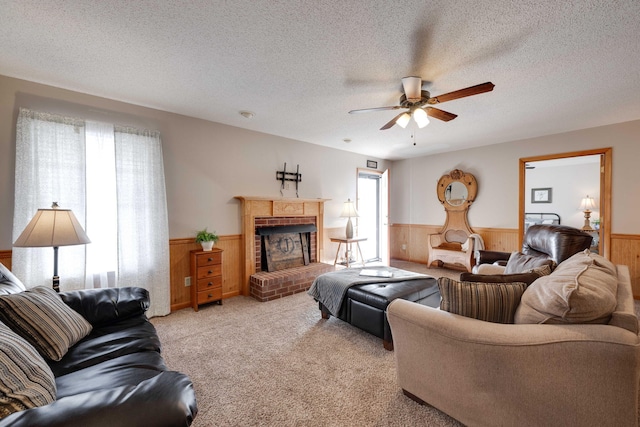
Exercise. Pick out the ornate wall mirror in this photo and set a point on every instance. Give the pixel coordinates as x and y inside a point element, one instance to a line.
<point>603,233</point>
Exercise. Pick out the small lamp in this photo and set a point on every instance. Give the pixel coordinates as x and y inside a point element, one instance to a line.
<point>586,205</point>
<point>348,211</point>
<point>53,227</point>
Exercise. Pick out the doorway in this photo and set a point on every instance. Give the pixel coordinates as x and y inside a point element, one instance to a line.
<point>603,201</point>
<point>373,210</point>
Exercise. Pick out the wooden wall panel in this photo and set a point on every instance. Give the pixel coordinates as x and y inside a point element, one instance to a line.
<point>417,249</point>
<point>5,258</point>
<point>625,250</point>
<point>179,253</point>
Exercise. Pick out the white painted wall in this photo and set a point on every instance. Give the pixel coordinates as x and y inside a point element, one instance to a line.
<point>413,187</point>
<point>569,184</point>
<point>206,164</point>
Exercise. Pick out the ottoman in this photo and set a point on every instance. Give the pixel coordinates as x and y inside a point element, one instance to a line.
<point>364,306</point>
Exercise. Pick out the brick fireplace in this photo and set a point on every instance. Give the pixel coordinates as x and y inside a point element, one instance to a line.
<point>258,212</point>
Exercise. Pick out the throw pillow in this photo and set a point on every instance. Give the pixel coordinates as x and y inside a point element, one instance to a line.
<point>525,277</point>
<point>26,381</point>
<point>492,302</point>
<point>47,323</point>
<point>581,290</point>
<point>519,262</point>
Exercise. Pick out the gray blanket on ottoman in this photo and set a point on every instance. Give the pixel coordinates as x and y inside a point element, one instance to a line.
<point>330,288</point>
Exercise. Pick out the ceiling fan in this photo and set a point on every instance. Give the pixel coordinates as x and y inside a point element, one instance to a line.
<point>418,103</point>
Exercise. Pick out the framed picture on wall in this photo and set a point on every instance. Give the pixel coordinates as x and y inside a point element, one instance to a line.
<point>541,195</point>
<point>372,164</point>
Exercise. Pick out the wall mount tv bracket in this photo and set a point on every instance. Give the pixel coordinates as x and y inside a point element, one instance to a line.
<point>284,176</point>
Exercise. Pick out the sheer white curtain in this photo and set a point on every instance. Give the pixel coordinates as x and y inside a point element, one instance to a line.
<point>113,180</point>
<point>49,168</point>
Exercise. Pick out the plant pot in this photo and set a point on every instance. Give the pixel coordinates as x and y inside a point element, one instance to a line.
<point>207,246</point>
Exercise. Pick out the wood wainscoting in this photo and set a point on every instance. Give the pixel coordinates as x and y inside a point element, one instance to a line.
<point>179,254</point>
<point>625,248</point>
<point>414,237</point>
<point>5,258</point>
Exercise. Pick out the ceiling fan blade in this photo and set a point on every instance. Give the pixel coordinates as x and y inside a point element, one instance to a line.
<point>473,90</point>
<point>391,122</point>
<point>436,113</point>
<point>367,110</point>
<point>412,87</point>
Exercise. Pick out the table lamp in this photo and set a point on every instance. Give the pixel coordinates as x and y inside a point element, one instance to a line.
<point>586,205</point>
<point>53,227</point>
<point>348,211</point>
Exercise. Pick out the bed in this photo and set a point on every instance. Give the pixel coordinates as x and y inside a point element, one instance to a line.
<point>531,218</point>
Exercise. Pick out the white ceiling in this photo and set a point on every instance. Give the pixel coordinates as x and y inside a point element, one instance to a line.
<point>300,66</point>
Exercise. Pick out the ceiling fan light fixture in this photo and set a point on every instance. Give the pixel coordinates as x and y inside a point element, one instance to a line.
<point>403,120</point>
<point>412,88</point>
<point>421,118</point>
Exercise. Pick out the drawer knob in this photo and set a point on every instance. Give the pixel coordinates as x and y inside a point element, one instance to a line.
<point>210,296</point>
<point>209,284</point>
<point>210,272</point>
<point>209,259</point>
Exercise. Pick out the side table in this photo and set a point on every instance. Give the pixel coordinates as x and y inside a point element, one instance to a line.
<point>348,243</point>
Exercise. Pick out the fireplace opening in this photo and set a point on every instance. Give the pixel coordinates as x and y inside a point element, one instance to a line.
<point>285,246</point>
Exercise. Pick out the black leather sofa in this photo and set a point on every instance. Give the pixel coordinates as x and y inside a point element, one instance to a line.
<point>115,376</point>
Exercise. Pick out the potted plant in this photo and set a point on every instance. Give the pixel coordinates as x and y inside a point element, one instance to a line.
<point>206,239</point>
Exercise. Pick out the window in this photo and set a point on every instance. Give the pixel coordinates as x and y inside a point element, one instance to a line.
<point>112,177</point>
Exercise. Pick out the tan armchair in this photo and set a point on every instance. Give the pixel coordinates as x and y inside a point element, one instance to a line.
<point>486,374</point>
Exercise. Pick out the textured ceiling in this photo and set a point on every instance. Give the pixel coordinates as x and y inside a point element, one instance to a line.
<point>300,66</point>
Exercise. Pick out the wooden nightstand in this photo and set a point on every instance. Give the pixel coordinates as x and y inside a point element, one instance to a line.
<point>206,277</point>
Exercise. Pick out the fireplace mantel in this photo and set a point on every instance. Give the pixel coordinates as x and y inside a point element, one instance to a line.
<point>253,207</point>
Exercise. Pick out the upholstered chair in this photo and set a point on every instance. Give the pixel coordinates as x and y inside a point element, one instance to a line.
<point>543,244</point>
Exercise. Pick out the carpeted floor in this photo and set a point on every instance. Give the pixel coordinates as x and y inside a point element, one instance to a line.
<point>279,363</point>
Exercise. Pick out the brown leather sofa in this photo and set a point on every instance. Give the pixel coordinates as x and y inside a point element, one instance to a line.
<point>543,241</point>
<point>115,376</point>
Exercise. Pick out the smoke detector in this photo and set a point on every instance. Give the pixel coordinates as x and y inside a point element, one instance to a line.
<point>247,114</point>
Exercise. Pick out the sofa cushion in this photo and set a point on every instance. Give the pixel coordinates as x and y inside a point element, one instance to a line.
<point>519,262</point>
<point>26,380</point>
<point>106,342</point>
<point>492,302</point>
<point>582,289</point>
<point>47,323</point>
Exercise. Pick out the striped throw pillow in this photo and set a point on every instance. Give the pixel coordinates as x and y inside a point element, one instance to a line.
<point>491,302</point>
<point>41,317</point>
<point>26,381</point>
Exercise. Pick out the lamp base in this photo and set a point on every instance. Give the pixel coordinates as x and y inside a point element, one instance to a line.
<point>56,283</point>
<point>349,230</point>
<point>587,221</point>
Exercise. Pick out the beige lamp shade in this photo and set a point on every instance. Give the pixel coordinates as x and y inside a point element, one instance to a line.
<point>587,204</point>
<point>52,227</point>
<point>349,210</point>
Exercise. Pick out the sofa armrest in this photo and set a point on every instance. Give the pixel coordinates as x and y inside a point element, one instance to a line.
<point>100,306</point>
<point>167,399</point>
<point>489,257</point>
<point>591,371</point>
